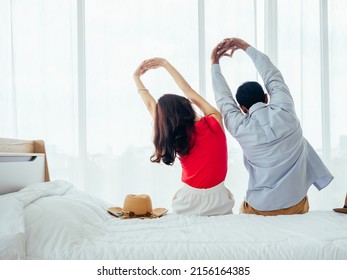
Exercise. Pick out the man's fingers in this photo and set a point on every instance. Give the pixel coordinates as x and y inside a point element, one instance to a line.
<point>223,50</point>
<point>229,54</point>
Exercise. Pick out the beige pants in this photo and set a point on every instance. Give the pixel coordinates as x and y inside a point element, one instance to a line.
<point>300,208</point>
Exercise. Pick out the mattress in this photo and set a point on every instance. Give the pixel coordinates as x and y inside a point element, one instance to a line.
<point>55,220</point>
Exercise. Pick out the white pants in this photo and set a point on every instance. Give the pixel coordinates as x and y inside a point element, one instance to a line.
<point>203,202</point>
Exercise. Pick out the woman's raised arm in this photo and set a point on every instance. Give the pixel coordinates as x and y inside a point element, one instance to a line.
<point>147,98</point>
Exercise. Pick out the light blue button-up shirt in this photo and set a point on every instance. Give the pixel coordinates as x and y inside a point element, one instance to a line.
<point>281,163</point>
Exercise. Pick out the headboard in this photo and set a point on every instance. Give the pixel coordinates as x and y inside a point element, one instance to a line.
<point>8,145</point>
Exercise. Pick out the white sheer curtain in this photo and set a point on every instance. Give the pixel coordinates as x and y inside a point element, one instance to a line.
<point>40,98</point>
<point>38,77</point>
<point>337,31</point>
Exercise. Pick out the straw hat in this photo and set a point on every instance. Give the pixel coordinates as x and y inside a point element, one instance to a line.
<point>344,209</point>
<point>137,206</point>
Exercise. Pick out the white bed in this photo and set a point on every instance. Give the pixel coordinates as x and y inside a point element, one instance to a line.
<point>55,220</point>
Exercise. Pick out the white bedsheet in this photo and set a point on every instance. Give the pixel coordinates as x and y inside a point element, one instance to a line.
<point>57,221</point>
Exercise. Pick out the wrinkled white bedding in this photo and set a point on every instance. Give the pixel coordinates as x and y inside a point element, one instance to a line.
<point>57,221</point>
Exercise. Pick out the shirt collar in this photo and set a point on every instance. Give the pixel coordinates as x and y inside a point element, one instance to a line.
<point>256,107</point>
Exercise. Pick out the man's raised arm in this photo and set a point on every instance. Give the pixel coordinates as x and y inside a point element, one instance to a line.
<point>224,99</point>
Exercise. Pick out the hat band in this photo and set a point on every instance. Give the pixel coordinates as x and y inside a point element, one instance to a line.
<point>133,215</point>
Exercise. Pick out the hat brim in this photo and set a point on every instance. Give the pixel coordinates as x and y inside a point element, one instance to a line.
<point>158,212</point>
<point>341,210</point>
<point>115,211</point>
<point>118,213</point>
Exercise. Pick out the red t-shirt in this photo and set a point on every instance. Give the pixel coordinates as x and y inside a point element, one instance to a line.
<point>207,162</point>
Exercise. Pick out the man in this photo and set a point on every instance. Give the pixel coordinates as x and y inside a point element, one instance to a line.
<point>281,163</point>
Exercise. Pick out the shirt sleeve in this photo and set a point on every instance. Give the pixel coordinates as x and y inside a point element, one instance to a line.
<point>272,77</point>
<point>225,101</point>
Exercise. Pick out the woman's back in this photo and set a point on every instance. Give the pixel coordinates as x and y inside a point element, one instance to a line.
<point>207,163</point>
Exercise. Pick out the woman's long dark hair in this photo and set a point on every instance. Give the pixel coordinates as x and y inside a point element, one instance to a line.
<point>174,130</point>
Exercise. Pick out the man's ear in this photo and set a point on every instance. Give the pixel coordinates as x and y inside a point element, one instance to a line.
<point>244,109</point>
<point>266,99</point>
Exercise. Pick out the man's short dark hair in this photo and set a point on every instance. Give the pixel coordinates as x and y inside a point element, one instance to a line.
<point>250,93</point>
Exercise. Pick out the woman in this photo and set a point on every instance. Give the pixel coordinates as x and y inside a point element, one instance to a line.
<point>198,142</point>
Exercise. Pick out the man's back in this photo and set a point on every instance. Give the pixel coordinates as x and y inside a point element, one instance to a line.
<point>275,153</point>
